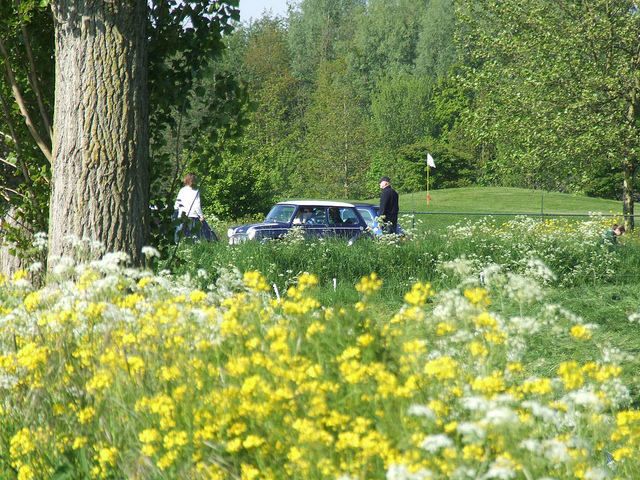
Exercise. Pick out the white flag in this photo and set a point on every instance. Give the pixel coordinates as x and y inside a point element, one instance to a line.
<point>430,161</point>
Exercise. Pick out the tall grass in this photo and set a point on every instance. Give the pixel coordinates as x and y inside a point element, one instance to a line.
<point>574,249</point>
<point>116,373</point>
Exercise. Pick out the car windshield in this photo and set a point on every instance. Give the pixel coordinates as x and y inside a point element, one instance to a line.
<point>366,214</point>
<point>280,213</point>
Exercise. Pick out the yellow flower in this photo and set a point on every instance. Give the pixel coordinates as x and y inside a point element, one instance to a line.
<point>444,328</point>
<point>107,456</point>
<point>79,442</point>
<point>26,473</point>
<point>477,296</point>
<point>144,281</point>
<point>485,320</point>
<point>136,365</point>
<point>418,294</point>
<point>86,414</point>
<point>570,375</point>
<point>149,435</point>
<point>580,332</point>
<point>315,327</point>
<point>370,284</point>
<point>540,386</point>
<point>489,385</point>
<point>234,445</point>
<point>22,443</point>
<point>252,441</point>
<point>197,296</point>
<point>443,368</point>
<point>32,356</point>
<point>31,301</point>
<point>248,472</point>
<point>255,281</point>
<point>19,275</point>
<point>364,340</point>
<point>477,349</point>
<point>306,281</point>
<point>101,380</point>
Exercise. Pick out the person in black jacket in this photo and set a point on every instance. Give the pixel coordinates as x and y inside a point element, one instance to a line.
<point>388,206</point>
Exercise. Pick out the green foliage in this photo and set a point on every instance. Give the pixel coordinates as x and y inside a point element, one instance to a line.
<point>402,110</point>
<point>336,154</point>
<point>557,90</point>
<point>26,33</point>
<point>184,37</point>
<point>437,50</point>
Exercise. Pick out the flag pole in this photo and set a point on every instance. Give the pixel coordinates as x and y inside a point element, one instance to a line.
<point>428,169</point>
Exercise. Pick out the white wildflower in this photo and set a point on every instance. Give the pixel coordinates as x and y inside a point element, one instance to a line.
<point>471,432</point>
<point>532,445</point>
<point>615,356</point>
<point>500,472</point>
<point>556,451</point>
<point>40,241</point>
<point>464,473</point>
<point>634,317</point>
<point>150,252</point>
<point>433,443</point>
<point>475,403</point>
<point>584,398</point>
<point>539,269</point>
<point>522,289</point>
<point>617,393</point>
<point>501,416</point>
<point>541,411</point>
<point>596,473</point>
<point>401,472</point>
<point>421,411</point>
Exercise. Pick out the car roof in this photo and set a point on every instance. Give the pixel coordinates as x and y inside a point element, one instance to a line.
<point>366,205</point>
<point>316,203</point>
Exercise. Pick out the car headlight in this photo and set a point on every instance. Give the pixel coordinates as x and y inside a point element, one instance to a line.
<point>251,233</point>
<point>231,232</point>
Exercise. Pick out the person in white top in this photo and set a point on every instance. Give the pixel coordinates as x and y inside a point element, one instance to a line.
<point>188,200</point>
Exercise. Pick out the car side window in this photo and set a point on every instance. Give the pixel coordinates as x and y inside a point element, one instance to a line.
<point>366,215</point>
<point>318,216</point>
<point>349,216</point>
<point>335,217</point>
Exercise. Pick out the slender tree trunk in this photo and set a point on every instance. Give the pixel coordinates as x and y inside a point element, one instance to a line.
<point>627,194</point>
<point>633,116</point>
<point>100,178</point>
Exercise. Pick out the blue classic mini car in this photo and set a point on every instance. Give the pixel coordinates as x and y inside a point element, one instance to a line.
<point>314,217</point>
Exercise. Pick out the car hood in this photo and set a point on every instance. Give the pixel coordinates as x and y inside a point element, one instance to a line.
<point>240,229</point>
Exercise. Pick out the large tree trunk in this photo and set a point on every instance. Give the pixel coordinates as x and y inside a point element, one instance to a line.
<point>100,178</point>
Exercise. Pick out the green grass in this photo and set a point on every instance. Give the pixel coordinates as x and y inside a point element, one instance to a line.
<point>505,200</point>
<point>449,206</point>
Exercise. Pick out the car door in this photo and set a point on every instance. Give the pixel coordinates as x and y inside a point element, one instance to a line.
<point>344,222</point>
<point>316,225</point>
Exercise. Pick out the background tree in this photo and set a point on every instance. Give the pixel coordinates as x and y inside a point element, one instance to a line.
<point>558,88</point>
<point>336,142</point>
<point>183,37</point>
<point>26,62</point>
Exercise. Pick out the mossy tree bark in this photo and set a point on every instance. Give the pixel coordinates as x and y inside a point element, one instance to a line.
<point>100,178</point>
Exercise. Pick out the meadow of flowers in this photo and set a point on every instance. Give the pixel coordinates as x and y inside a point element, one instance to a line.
<point>108,372</point>
<point>574,249</point>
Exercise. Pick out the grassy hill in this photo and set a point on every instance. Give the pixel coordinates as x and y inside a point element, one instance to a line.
<point>505,200</point>
<point>449,206</point>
